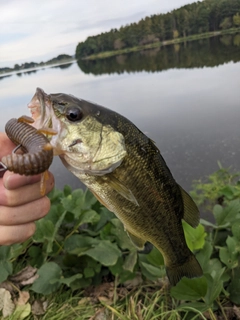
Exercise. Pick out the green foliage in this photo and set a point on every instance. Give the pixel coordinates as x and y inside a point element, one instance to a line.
<point>220,255</point>
<point>189,20</point>
<point>226,23</point>
<point>190,289</point>
<point>80,243</point>
<point>221,184</point>
<point>236,20</point>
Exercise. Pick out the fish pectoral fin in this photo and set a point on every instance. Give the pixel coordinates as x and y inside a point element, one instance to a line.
<point>191,213</point>
<point>122,190</point>
<point>138,242</point>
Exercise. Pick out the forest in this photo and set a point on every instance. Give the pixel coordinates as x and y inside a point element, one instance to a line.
<point>210,52</point>
<point>192,19</point>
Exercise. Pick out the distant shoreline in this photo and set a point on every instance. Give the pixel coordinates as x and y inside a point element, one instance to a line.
<point>39,67</point>
<point>158,44</point>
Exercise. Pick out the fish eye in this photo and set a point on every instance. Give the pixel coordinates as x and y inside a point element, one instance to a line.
<point>74,114</point>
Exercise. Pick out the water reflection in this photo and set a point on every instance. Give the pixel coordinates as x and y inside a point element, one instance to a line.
<point>209,52</point>
<point>26,71</point>
<point>191,112</point>
<point>63,66</point>
<point>4,77</point>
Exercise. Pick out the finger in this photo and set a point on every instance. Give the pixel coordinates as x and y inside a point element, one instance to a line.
<point>6,145</point>
<point>16,234</point>
<point>13,181</point>
<point>26,213</point>
<point>24,194</point>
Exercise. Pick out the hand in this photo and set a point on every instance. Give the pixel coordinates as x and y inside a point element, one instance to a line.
<point>20,201</point>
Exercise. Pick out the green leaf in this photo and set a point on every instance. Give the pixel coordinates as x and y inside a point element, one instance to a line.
<point>48,281</point>
<point>121,236</point>
<point>217,212</point>
<point>228,192</point>
<point>74,202</point>
<point>117,268</point>
<point>229,259</point>
<point>155,257</point>
<point>17,249</point>
<point>68,281</point>
<point>130,261</point>
<point>214,266</point>
<point>67,190</point>
<point>88,272</point>
<point>44,231</point>
<point>89,200</point>
<point>203,256</point>
<point>231,244</point>
<point>4,252</point>
<point>55,195</point>
<point>80,283</point>
<point>215,286</point>
<point>190,289</point>
<point>105,216</point>
<point>234,290</point>
<point>36,256</point>
<point>5,270</point>
<point>21,312</point>
<point>77,244</point>
<point>193,306</point>
<point>55,213</point>
<point>236,229</point>
<point>105,252</point>
<point>195,238</point>
<point>229,255</point>
<point>149,271</point>
<point>89,216</point>
<point>207,223</point>
<point>227,215</point>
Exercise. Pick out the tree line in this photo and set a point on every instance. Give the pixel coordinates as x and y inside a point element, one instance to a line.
<point>210,52</point>
<point>28,65</point>
<point>196,18</point>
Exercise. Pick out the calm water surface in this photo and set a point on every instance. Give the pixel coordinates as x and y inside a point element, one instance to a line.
<point>186,98</point>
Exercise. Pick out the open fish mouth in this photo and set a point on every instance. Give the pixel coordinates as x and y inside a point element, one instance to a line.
<point>42,97</point>
<point>46,121</point>
<point>41,104</point>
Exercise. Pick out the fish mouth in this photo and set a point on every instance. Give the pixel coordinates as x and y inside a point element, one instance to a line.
<point>43,98</point>
<point>40,104</point>
<point>46,121</point>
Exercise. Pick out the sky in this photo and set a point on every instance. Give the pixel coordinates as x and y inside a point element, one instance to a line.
<point>33,30</point>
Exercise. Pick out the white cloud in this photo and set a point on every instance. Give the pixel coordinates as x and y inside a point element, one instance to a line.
<point>32,30</point>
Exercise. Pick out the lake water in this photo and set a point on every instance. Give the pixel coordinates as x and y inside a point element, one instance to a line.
<point>185,97</point>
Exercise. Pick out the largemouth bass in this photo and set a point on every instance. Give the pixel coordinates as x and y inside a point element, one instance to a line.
<point>126,172</point>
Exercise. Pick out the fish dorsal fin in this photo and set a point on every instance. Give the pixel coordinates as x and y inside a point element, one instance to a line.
<point>122,190</point>
<point>191,212</point>
<point>138,242</point>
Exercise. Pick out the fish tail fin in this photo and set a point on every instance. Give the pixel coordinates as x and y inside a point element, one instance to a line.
<point>190,269</point>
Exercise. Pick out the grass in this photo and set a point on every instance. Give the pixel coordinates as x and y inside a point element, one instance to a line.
<point>206,35</point>
<point>147,302</point>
